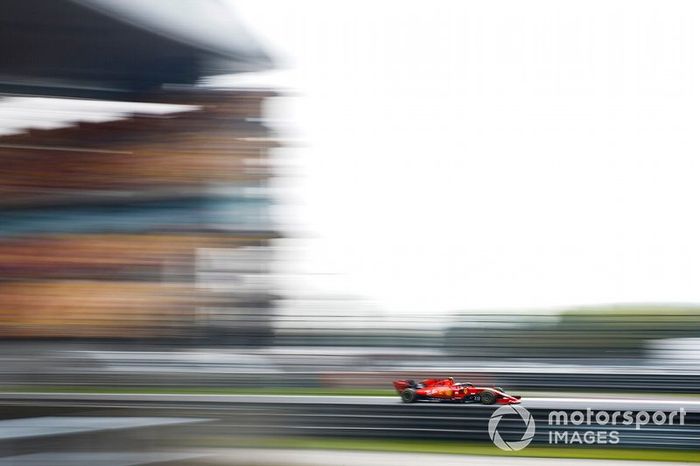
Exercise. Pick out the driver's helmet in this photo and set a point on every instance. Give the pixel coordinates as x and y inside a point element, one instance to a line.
<point>451,379</point>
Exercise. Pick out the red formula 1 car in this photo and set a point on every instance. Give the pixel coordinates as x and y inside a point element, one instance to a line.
<point>449,390</point>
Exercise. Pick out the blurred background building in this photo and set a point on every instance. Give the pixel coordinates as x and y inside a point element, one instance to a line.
<point>134,205</point>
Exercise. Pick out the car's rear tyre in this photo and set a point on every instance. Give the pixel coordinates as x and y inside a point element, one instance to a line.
<point>408,395</point>
<point>487,398</point>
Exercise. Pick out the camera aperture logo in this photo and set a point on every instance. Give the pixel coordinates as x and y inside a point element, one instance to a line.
<point>516,445</point>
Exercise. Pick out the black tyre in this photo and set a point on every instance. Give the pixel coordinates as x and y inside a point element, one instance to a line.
<point>408,395</point>
<point>487,398</point>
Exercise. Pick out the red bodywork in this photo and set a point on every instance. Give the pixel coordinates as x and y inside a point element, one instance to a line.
<point>449,390</point>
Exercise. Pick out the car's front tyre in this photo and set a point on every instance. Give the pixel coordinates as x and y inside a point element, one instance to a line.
<point>487,398</point>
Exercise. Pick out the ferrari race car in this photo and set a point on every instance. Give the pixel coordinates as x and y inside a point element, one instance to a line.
<point>449,390</point>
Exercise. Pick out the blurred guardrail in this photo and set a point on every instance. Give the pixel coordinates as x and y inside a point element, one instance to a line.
<point>469,423</point>
<point>357,418</point>
<point>532,380</point>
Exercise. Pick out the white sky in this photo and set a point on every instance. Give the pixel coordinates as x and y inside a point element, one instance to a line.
<point>492,154</point>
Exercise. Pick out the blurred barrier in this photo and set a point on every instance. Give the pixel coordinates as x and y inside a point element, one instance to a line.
<point>356,419</point>
<point>222,375</point>
<point>445,423</point>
